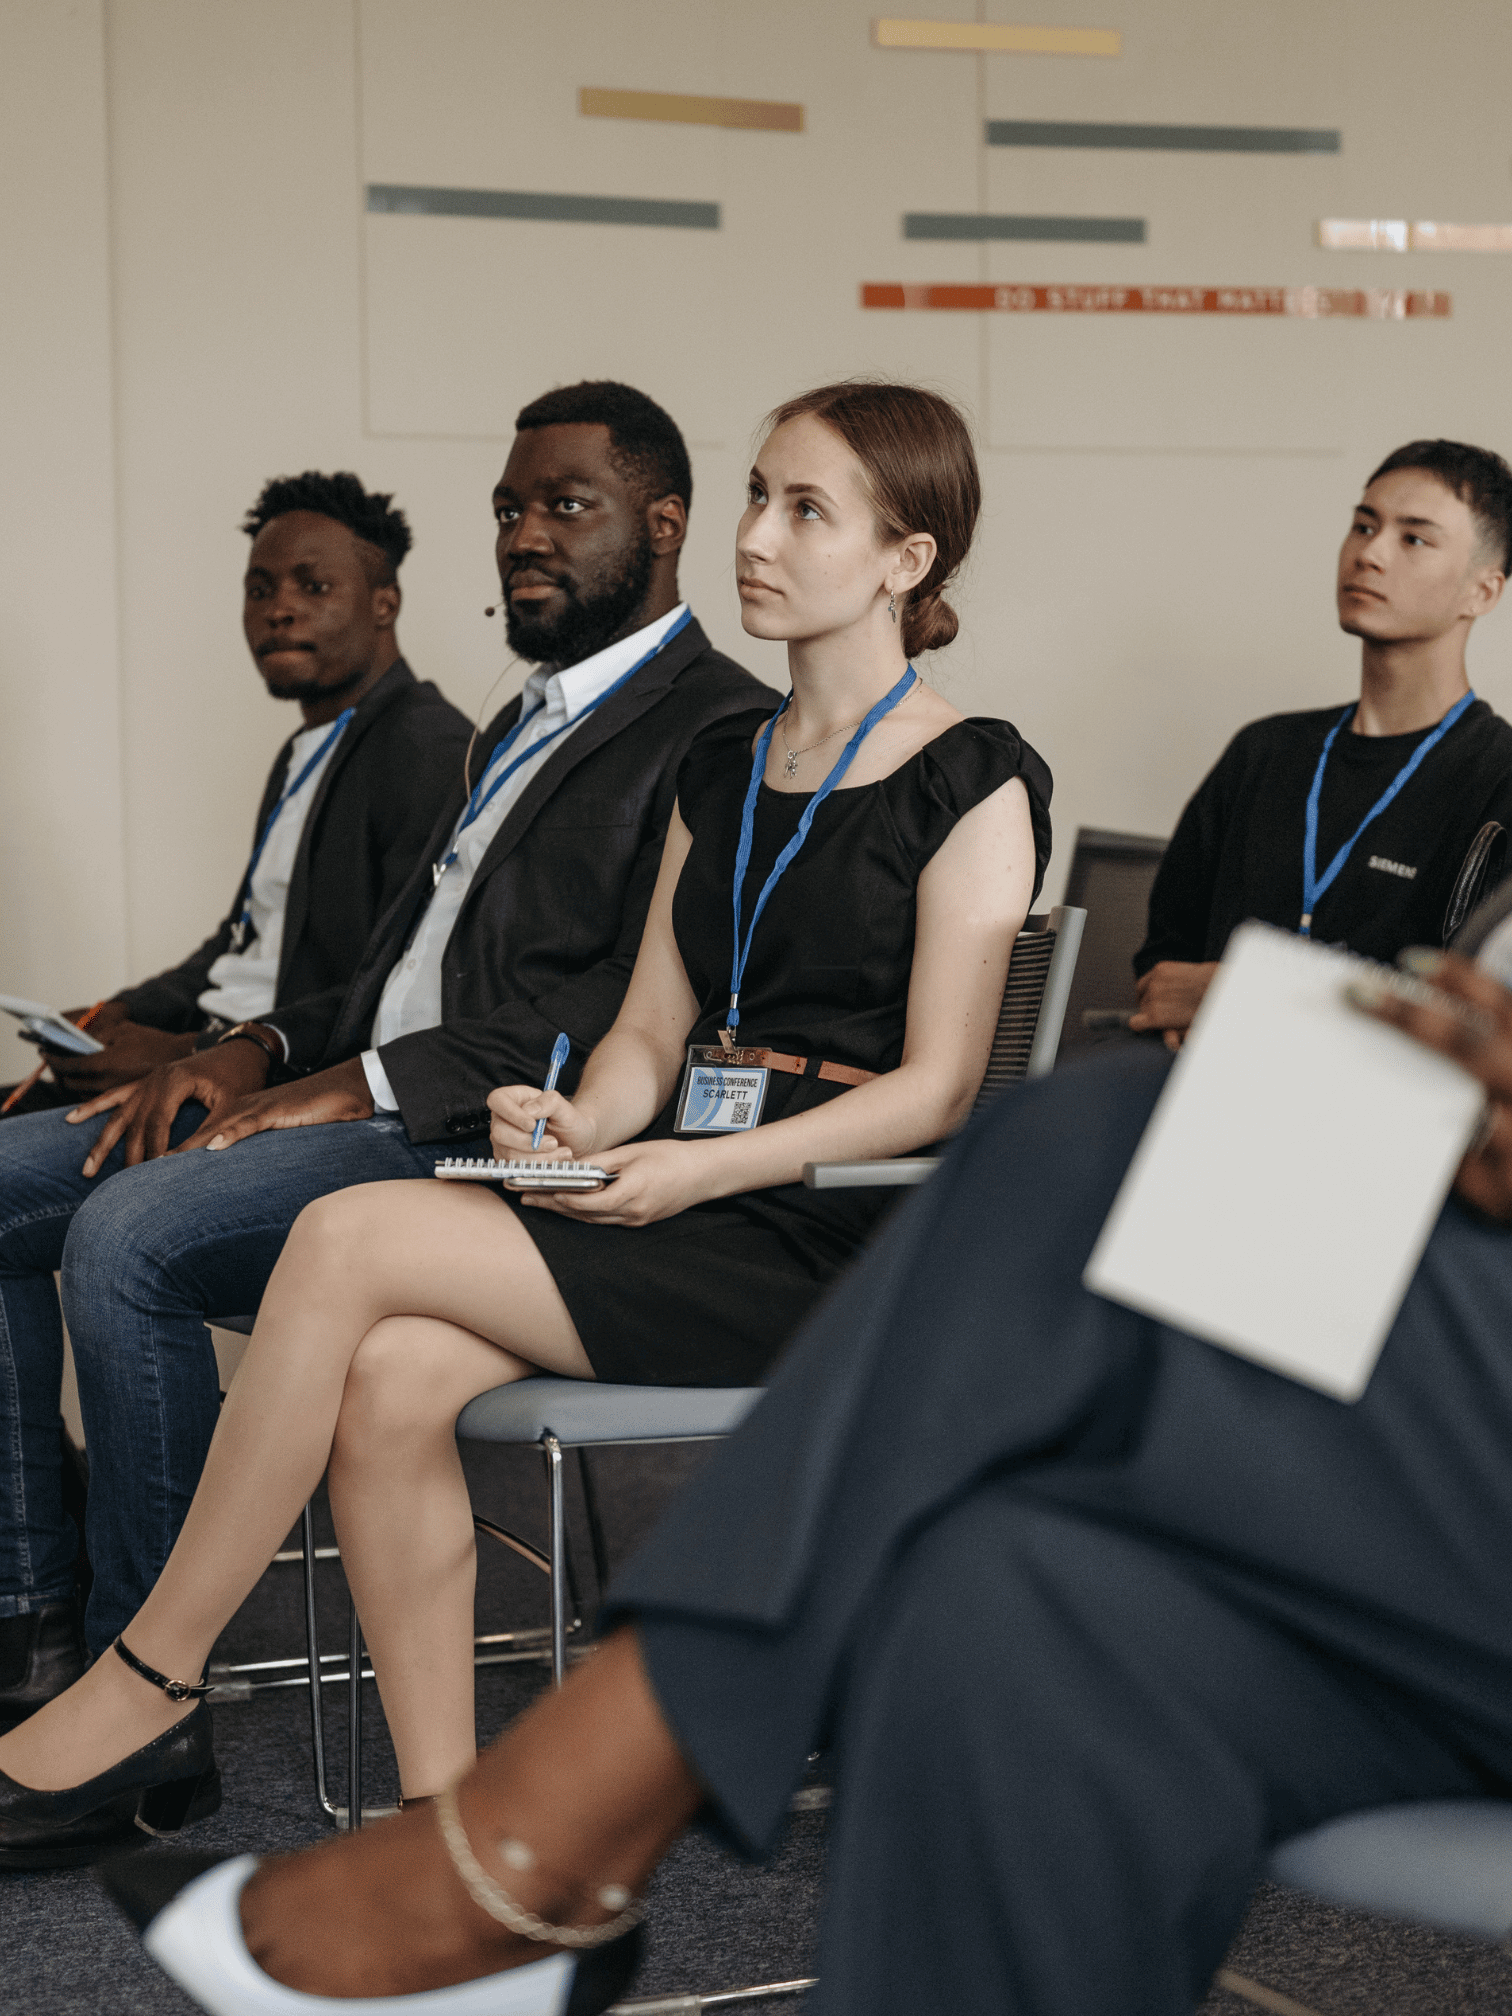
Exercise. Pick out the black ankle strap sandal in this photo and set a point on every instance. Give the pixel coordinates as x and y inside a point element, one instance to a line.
<point>176,1690</point>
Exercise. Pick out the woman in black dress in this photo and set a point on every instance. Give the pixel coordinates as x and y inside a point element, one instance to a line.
<point>840,891</point>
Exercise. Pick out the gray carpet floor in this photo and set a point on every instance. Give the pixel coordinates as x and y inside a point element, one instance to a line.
<point>715,1924</point>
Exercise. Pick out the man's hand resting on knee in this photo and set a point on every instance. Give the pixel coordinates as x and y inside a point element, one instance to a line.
<point>341,1093</point>
<point>1169,996</point>
<point>142,1115</point>
<point>1482,1045</point>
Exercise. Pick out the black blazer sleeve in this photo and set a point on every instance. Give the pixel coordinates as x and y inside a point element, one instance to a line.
<point>442,1077</point>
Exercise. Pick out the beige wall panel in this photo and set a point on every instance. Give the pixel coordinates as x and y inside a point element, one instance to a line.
<point>1130,612</point>
<point>61,885</point>
<point>726,322</point>
<point>236,248</point>
<point>474,94</point>
<point>1162,382</point>
<point>469,317</point>
<point>1263,63</point>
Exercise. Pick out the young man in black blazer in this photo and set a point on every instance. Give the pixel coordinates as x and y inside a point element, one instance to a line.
<point>321,601</point>
<point>345,817</point>
<point>1426,555</point>
<point>521,919</point>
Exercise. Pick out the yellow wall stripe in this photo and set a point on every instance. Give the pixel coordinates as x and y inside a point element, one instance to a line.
<point>683,109</point>
<point>997,37</point>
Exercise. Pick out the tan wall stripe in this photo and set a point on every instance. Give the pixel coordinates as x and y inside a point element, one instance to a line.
<point>1382,304</point>
<point>999,37</point>
<point>681,109</point>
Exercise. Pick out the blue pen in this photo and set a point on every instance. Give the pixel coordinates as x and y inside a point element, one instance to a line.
<point>559,1054</point>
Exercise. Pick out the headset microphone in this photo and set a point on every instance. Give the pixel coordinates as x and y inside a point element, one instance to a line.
<point>492,612</point>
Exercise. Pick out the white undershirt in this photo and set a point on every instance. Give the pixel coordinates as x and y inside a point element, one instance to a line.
<point>243,984</point>
<point>411,998</point>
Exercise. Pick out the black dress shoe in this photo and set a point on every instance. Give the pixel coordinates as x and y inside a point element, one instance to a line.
<point>40,1655</point>
<point>167,1784</point>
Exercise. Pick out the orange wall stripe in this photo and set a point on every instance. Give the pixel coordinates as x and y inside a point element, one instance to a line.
<point>1387,304</point>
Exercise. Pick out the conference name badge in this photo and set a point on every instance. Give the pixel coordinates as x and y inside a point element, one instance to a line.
<point>718,1096</point>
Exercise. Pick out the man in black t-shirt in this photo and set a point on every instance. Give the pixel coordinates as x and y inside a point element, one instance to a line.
<point>1377,825</point>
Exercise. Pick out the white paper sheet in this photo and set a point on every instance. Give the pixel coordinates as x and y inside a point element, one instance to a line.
<point>1291,1172</point>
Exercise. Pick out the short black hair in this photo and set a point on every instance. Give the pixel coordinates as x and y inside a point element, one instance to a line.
<point>646,442</point>
<point>1479,477</point>
<point>367,515</point>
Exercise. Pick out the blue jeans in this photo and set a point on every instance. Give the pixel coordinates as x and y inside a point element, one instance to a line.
<point>147,1254</point>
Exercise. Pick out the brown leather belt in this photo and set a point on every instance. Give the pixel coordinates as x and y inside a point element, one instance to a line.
<point>781,1060</point>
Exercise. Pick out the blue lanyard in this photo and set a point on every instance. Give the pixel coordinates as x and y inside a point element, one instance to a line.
<point>244,922</point>
<point>1314,887</point>
<point>742,952</point>
<point>480,800</point>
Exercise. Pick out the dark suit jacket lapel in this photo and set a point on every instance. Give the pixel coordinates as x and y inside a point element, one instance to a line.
<point>384,694</point>
<point>602,725</point>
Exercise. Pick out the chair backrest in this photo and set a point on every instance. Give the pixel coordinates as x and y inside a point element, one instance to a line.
<point>1040,972</point>
<point>1110,879</point>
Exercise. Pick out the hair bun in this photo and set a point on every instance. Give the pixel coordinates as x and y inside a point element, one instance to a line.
<point>928,625</point>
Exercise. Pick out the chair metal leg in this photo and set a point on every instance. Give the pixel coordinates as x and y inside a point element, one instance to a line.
<point>557,1548</point>
<point>726,1998</point>
<point>312,1650</point>
<point>354,1721</point>
<point>595,1525</point>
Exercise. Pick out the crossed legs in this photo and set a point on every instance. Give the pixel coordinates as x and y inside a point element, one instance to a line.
<point>1059,1806</point>
<point>392,1306</point>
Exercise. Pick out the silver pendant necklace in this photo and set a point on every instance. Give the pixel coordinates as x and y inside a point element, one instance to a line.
<point>790,762</point>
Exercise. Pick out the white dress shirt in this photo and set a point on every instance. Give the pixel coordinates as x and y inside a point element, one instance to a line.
<point>411,997</point>
<point>243,984</point>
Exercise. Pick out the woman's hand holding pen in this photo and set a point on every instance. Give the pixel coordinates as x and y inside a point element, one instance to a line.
<point>517,1108</point>
<point>654,1179</point>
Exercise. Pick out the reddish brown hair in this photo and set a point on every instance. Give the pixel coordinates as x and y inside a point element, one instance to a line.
<point>921,470</point>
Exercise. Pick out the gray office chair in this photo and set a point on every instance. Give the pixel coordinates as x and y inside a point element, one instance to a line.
<point>1110,878</point>
<point>1445,1863</point>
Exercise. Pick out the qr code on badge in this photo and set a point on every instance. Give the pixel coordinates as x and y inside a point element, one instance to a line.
<point>740,1113</point>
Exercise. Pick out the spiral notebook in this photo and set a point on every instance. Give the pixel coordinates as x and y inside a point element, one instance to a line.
<point>525,1174</point>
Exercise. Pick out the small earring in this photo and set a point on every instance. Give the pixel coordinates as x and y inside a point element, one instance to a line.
<point>892,607</point>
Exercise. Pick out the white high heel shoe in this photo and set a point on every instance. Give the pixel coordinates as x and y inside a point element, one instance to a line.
<point>192,1928</point>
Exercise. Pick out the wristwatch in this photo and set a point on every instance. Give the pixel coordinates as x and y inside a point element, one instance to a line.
<point>249,1032</point>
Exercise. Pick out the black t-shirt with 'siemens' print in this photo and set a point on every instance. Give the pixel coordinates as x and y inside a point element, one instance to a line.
<point>1237,851</point>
